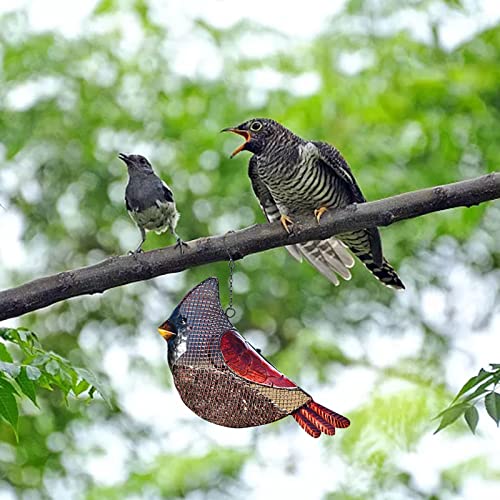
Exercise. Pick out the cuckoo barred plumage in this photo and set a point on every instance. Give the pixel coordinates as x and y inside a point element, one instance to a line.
<point>150,202</point>
<point>292,176</point>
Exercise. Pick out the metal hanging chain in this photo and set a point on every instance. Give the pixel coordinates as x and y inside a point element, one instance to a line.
<point>230,310</point>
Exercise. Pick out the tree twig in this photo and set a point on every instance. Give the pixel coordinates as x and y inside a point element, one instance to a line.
<point>117,271</point>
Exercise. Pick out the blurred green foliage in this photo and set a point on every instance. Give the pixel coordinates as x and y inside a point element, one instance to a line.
<point>204,473</point>
<point>406,115</point>
<point>37,369</point>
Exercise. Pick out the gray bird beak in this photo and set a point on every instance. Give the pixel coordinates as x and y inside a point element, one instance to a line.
<point>123,157</point>
<point>243,133</point>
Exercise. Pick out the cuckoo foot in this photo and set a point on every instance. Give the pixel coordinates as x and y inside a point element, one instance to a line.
<point>319,212</point>
<point>286,222</point>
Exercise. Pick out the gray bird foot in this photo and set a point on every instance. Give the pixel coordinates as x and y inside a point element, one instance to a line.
<point>180,245</point>
<point>136,251</point>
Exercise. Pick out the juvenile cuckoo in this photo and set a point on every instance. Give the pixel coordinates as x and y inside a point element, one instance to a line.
<point>292,176</point>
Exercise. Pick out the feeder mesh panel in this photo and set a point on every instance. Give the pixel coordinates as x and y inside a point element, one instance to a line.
<point>208,386</point>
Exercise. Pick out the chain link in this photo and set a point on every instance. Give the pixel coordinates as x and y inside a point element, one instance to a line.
<point>230,310</point>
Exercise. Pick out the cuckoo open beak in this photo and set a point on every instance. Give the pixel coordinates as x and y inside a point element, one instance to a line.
<point>167,330</point>
<point>244,133</point>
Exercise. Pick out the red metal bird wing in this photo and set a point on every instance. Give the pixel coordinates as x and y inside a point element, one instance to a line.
<point>246,362</point>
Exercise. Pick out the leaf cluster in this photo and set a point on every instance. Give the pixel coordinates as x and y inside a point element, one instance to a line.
<point>26,367</point>
<point>481,387</point>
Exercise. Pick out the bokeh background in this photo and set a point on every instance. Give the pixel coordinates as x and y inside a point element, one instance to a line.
<point>408,91</point>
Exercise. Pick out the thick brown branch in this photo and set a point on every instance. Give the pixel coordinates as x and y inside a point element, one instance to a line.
<point>117,271</point>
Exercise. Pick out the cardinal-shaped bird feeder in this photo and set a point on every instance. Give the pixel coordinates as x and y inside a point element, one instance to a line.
<point>224,380</point>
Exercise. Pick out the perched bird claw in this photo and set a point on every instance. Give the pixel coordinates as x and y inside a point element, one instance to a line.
<point>137,251</point>
<point>286,222</point>
<point>180,245</point>
<point>319,212</point>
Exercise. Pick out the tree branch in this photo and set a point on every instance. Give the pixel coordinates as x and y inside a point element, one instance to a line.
<point>117,271</point>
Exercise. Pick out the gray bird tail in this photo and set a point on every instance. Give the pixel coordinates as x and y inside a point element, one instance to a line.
<point>329,257</point>
<point>359,242</point>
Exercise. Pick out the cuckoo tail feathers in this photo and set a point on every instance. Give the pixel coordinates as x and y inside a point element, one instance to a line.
<point>330,257</point>
<point>316,419</point>
<point>384,273</point>
<point>322,266</point>
<point>365,245</point>
<point>295,252</point>
<point>340,250</point>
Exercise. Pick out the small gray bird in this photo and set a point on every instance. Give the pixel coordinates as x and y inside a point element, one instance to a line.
<point>292,176</point>
<point>149,200</point>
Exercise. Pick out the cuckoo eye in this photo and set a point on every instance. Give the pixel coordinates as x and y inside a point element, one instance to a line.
<point>255,126</point>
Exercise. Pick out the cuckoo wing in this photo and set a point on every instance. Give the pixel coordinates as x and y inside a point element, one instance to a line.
<point>329,257</point>
<point>268,204</point>
<point>331,157</point>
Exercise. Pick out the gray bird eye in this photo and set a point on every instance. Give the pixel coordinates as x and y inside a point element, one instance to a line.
<point>255,126</point>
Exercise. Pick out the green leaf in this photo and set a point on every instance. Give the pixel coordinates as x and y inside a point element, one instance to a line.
<point>68,376</point>
<point>92,379</point>
<point>495,366</point>
<point>483,374</point>
<point>27,385</point>
<point>8,404</point>
<point>10,368</point>
<point>40,359</point>
<point>449,415</point>
<point>5,385</point>
<point>32,372</point>
<point>52,367</point>
<point>492,404</point>
<point>82,386</point>
<point>4,354</point>
<point>45,383</point>
<point>471,416</point>
<point>24,334</point>
<point>480,390</point>
<point>5,333</point>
